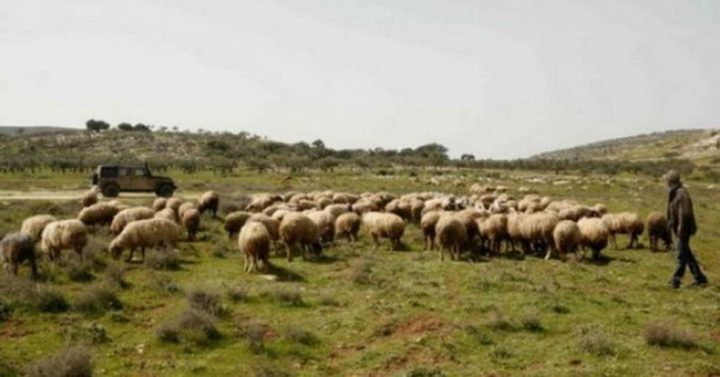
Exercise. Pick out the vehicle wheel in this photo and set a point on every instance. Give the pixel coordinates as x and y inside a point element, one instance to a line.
<point>165,191</point>
<point>110,191</point>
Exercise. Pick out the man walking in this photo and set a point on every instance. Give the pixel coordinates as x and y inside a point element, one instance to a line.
<point>681,221</point>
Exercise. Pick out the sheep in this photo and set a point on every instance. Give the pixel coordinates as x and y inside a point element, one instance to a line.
<point>167,214</point>
<point>262,201</point>
<point>364,205</point>
<point>235,221</point>
<point>186,207</point>
<point>254,242</point>
<point>100,213</point>
<point>296,228</point>
<point>145,233</point>
<point>16,248</point>
<point>174,204</point>
<point>567,238</point>
<point>624,223</point>
<point>399,207</point>
<point>128,215</point>
<point>594,235</point>
<point>209,201</point>
<point>335,210</point>
<point>416,208</point>
<point>600,209</point>
<point>325,223</point>
<point>494,229</point>
<point>64,234</point>
<point>190,220</point>
<point>427,225</point>
<point>90,197</point>
<point>34,225</point>
<point>271,224</point>
<point>387,225</point>
<point>348,224</point>
<point>159,204</point>
<point>450,234</point>
<point>657,229</point>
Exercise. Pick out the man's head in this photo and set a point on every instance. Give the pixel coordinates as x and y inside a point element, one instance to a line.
<point>672,178</point>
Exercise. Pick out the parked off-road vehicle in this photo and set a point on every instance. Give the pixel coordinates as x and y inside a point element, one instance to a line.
<point>114,179</point>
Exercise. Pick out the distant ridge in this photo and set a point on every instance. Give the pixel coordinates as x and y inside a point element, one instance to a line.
<point>698,145</point>
<point>29,130</point>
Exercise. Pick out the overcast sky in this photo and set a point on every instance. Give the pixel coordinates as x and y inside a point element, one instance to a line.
<point>499,79</point>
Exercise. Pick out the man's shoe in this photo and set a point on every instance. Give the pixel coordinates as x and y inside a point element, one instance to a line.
<point>674,284</point>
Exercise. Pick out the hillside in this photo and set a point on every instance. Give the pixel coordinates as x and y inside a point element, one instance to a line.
<point>698,145</point>
<point>25,130</point>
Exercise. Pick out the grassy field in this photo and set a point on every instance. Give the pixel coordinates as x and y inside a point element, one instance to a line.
<point>365,312</point>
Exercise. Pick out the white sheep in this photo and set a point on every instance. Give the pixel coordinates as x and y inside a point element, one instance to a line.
<point>384,225</point>
<point>63,234</point>
<point>450,234</point>
<point>298,229</point>
<point>254,241</point>
<point>145,234</point>
<point>594,235</point>
<point>34,225</point>
<point>126,216</point>
<point>348,225</point>
<point>100,213</point>
<point>567,238</point>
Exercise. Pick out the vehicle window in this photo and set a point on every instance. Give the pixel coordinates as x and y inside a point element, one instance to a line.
<point>109,171</point>
<point>140,172</point>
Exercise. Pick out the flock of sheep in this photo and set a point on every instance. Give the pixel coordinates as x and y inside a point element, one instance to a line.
<point>492,221</point>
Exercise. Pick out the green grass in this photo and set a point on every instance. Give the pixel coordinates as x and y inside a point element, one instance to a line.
<point>361,311</point>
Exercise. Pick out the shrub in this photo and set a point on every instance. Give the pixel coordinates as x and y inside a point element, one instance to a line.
<point>360,272</point>
<point>71,362</point>
<point>267,369</point>
<point>50,300</point>
<point>425,372</point>
<point>595,342</point>
<point>115,275</point>
<point>5,311</point>
<point>482,337</point>
<point>168,332</point>
<point>301,336</point>
<point>162,259</point>
<point>531,322</point>
<point>254,334</point>
<point>287,297</point>
<point>93,333</point>
<point>500,322</point>
<point>97,299</point>
<point>198,327</point>
<point>205,302</point>
<point>667,335</point>
<point>78,270</point>
<point>164,283</point>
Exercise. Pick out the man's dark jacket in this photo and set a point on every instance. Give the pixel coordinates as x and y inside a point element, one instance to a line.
<point>681,219</point>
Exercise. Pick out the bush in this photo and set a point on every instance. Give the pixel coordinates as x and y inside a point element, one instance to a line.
<point>531,322</point>
<point>115,275</point>
<point>254,334</point>
<point>92,333</point>
<point>50,300</point>
<point>237,294</point>
<point>500,322</point>
<point>267,369</point>
<point>78,270</point>
<point>71,362</point>
<point>5,311</point>
<point>425,372</point>
<point>162,259</point>
<point>198,326</point>
<point>301,336</point>
<point>205,302</point>
<point>595,342</point>
<point>165,284</point>
<point>168,333</point>
<point>97,299</point>
<point>288,297</point>
<point>667,335</point>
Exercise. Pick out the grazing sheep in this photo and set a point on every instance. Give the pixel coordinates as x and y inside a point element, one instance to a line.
<point>271,224</point>
<point>576,213</point>
<point>254,242</point>
<point>364,205</point>
<point>167,214</point>
<point>427,225</point>
<point>209,201</point>
<point>100,213</point>
<point>594,235</point>
<point>624,223</point>
<point>64,234</point>
<point>600,209</point>
<point>399,207</point>
<point>335,210</point>
<point>348,225</point>
<point>90,197</point>
<point>34,225</point>
<point>174,204</point>
<point>159,204</point>
<point>494,229</point>
<point>298,229</point>
<point>536,231</point>
<point>567,238</point>
<point>143,234</point>
<point>262,201</point>
<point>128,215</point>
<point>16,248</point>
<point>325,223</point>
<point>235,221</point>
<point>416,208</point>
<point>186,207</point>
<point>191,221</point>
<point>385,225</point>
<point>450,233</point>
<point>514,221</point>
<point>657,229</point>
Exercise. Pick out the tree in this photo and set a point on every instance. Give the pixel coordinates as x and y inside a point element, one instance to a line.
<point>467,157</point>
<point>96,125</point>
<point>141,127</point>
<point>125,127</point>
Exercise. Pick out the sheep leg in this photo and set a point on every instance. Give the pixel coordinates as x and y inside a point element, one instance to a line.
<point>288,252</point>
<point>130,257</point>
<point>376,241</point>
<point>14,267</point>
<point>33,265</point>
<point>548,253</point>
<point>245,265</point>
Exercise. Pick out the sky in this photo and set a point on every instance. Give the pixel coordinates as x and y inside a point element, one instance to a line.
<point>497,79</point>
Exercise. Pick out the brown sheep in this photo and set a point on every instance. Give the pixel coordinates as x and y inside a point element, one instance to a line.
<point>348,225</point>
<point>16,248</point>
<point>657,229</point>
<point>209,201</point>
<point>235,221</point>
<point>254,242</point>
<point>298,229</point>
<point>451,234</point>
<point>191,221</point>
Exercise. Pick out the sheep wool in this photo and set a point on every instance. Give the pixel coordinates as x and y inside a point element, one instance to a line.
<point>34,225</point>
<point>63,234</point>
<point>16,248</point>
<point>254,242</point>
<point>145,234</point>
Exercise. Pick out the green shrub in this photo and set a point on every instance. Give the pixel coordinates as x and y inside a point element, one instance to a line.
<point>50,300</point>
<point>595,342</point>
<point>97,298</point>
<point>205,302</point>
<point>162,259</point>
<point>301,336</point>
<point>71,362</point>
<point>667,335</point>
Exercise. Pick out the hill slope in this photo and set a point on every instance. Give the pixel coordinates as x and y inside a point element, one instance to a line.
<point>29,130</point>
<point>698,145</point>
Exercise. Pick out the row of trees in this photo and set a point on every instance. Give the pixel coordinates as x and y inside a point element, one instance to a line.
<point>94,125</point>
